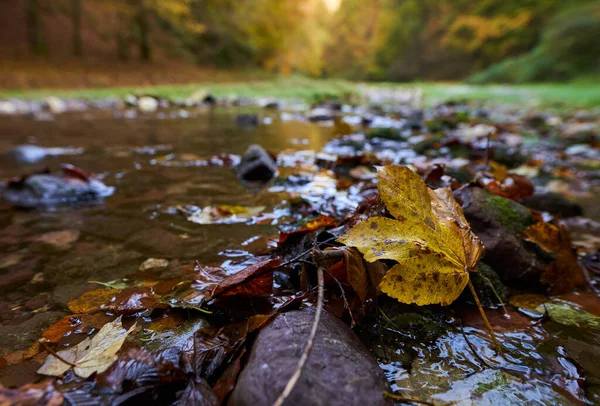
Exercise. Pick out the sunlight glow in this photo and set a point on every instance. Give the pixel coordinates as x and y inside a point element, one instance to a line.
<point>333,5</point>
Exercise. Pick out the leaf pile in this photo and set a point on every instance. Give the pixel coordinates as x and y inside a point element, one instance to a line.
<point>429,237</point>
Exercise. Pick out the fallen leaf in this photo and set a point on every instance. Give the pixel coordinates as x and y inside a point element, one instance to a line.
<point>356,271</point>
<point>254,280</point>
<point>224,214</point>
<point>515,187</point>
<point>429,238</point>
<point>31,395</point>
<point>59,240</point>
<point>58,330</point>
<point>91,301</point>
<point>167,321</point>
<point>94,354</point>
<point>132,300</point>
<point>227,380</point>
<point>564,273</point>
<point>320,222</point>
<point>198,392</point>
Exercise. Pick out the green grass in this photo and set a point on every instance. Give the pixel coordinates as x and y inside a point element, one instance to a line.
<point>562,96</point>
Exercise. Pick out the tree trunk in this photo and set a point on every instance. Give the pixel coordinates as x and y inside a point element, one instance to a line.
<point>144,31</point>
<point>36,44</point>
<point>76,17</point>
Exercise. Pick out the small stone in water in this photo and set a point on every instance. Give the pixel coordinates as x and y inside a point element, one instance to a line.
<point>153,263</point>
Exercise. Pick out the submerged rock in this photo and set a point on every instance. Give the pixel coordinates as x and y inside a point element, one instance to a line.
<point>28,154</point>
<point>339,371</point>
<point>256,165</point>
<point>55,189</point>
<point>147,104</point>
<point>247,120</point>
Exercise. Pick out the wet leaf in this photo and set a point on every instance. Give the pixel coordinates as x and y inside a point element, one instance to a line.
<point>31,395</point>
<point>429,238</point>
<point>227,380</point>
<point>254,280</point>
<point>91,301</point>
<point>92,355</point>
<point>320,222</point>
<point>356,271</point>
<point>569,315</point>
<point>133,300</point>
<point>198,392</point>
<point>515,187</point>
<point>564,273</point>
<point>58,330</point>
<point>224,214</point>
<point>75,323</point>
<point>167,321</point>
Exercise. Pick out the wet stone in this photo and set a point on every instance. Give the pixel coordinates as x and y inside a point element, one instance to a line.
<point>339,371</point>
<point>553,203</point>
<point>256,165</point>
<point>22,336</point>
<point>499,222</point>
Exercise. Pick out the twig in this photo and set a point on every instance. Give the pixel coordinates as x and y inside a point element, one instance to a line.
<point>485,319</point>
<point>487,151</point>
<point>309,344</point>
<point>308,251</point>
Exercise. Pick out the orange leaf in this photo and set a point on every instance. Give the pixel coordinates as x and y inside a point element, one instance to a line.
<point>91,301</point>
<point>565,272</point>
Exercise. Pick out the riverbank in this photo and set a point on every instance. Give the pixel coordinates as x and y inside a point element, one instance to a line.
<point>559,96</point>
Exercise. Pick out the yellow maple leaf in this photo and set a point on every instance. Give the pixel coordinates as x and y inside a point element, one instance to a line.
<point>429,237</point>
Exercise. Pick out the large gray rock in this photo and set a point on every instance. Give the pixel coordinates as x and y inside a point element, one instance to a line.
<point>54,189</point>
<point>500,222</point>
<point>339,371</point>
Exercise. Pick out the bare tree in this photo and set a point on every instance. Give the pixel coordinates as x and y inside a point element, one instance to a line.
<point>76,19</point>
<point>36,44</point>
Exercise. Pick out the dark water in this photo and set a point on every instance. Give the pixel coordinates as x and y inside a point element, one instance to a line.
<point>153,163</point>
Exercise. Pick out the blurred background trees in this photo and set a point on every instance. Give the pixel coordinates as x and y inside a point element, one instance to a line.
<point>400,40</point>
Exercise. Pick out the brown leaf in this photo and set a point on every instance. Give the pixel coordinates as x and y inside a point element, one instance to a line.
<point>227,380</point>
<point>564,273</point>
<point>133,300</point>
<point>356,271</point>
<point>58,330</point>
<point>254,280</point>
<point>376,271</point>
<point>515,187</point>
<point>167,321</point>
<point>31,395</point>
<point>91,301</point>
<point>320,222</point>
<point>198,392</point>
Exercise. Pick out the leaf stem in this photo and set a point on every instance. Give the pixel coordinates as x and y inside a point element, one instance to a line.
<point>55,354</point>
<point>485,319</point>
